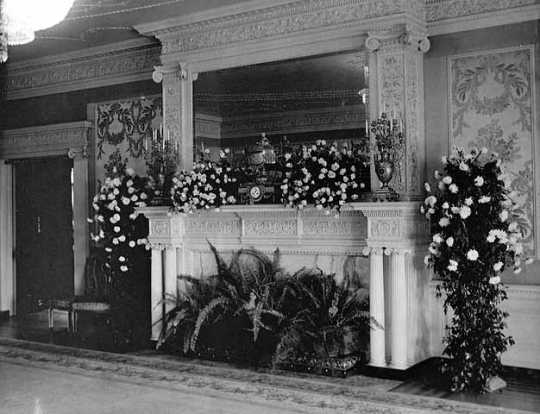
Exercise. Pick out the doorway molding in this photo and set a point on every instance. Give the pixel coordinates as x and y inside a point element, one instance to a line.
<point>69,139</point>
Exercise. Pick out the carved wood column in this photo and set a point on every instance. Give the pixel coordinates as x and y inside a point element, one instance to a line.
<point>177,86</point>
<point>396,85</point>
<point>170,277</point>
<point>376,307</point>
<point>156,292</point>
<point>397,285</point>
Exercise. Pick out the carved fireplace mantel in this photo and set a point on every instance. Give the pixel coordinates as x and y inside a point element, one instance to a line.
<point>393,235</point>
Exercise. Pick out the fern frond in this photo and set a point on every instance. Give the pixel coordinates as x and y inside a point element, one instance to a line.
<point>203,317</point>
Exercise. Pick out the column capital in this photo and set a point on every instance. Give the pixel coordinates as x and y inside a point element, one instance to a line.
<point>387,39</point>
<point>157,246</point>
<point>180,71</point>
<point>78,153</point>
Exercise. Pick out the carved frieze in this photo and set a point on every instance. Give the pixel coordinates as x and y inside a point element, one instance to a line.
<point>384,228</point>
<point>201,226</point>
<point>270,227</point>
<point>333,118</point>
<point>279,20</point>
<point>46,140</point>
<point>449,9</point>
<point>160,228</point>
<point>82,72</point>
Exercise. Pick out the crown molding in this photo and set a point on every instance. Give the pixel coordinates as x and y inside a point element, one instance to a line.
<point>106,65</point>
<point>260,31</point>
<point>55,139</point>
<point>440,25</point>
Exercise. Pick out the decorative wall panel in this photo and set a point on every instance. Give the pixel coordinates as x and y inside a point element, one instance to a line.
<point>492,105</point>
<point>121,128</point>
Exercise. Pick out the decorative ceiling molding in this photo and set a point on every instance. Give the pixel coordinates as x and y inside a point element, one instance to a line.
<point>450,16</point>
<point>58,139</point>
<point>261,27</point>
<point>122,62</point>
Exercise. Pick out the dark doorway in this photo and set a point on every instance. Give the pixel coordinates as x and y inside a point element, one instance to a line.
<point>44,231</point>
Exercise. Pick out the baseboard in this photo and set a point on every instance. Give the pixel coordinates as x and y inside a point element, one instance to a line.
<point>385,372</point>
<point>4,316</point>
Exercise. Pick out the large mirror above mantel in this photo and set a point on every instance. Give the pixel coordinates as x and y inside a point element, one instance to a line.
<point>302,100</point>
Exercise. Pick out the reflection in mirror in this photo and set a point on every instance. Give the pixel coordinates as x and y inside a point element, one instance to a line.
<point>302,100</point>
<point>255,113</point>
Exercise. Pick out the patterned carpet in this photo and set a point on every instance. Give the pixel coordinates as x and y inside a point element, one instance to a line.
<point>280,392</point>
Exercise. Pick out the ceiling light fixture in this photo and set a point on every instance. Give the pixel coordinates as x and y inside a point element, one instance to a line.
<point>20,19</point>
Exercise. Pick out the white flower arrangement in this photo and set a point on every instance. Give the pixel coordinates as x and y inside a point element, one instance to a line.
<point>323,175</point>
<point>208,185</point>
<point>118,227</point>
<point>476,236</point>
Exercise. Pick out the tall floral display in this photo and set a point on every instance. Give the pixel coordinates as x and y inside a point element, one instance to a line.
<point>121,234</point>
<point>475,237</point>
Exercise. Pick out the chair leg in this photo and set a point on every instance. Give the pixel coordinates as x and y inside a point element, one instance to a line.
<point>51,318</point>
<point>75,321</point>
<point>70,321</point>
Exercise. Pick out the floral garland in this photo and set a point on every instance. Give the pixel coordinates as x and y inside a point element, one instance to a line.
<point>208,185</point>
<point>323,175</point>
<point>475,237</point>
<point>120,230</point>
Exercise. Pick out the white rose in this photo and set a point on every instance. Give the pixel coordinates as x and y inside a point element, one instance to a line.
<point>498,266</point>
<point>116,229</point>
<point>115,240</point>
<point>469,201</point>
<point>464,212</point>
<point>484,199</point>
<point>122,259</point>
<point>463,166</point>
<point>122,238</point>
<point>447,180</point>
<point>131,243</point>
<point>494,280</point>
<point>125,201</point>
<point>472,255</point>
<point>479,181</point>
<point>443,222</point>
<point>427,187</point>
<point>450,241</point>
<point>445,205</point>
<point>452,265</point>
<point>503,215</point>
<point>453,188</point>
<point>437,238</point>
<point>431,200</point>
<point>116,182</point>
<point>124,268</point>
<point>426,260</point>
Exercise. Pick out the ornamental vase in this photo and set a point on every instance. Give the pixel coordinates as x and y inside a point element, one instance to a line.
<point>384,167</point>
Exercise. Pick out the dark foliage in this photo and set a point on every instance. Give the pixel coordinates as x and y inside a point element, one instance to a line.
<point>251,311</point>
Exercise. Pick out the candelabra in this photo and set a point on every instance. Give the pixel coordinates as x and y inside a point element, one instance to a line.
<point>387,147</point>
<point>161,164</point>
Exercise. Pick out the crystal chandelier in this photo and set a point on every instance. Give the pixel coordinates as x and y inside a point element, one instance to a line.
<point>19,19</point>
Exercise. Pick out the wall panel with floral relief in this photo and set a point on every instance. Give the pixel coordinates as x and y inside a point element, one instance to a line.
<point>120,130</point>
<point>491,104</point>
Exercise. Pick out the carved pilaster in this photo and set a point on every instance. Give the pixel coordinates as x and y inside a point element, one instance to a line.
<point>177,83</point>
<point>397,88</point>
